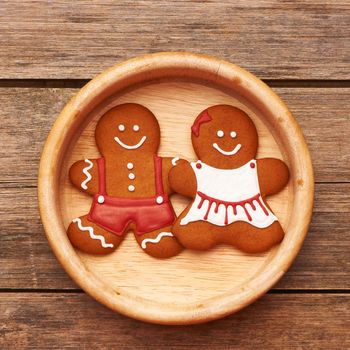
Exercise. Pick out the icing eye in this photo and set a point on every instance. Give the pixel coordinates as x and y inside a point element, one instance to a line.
<point>136,128</point>
<point>233,134</point>
<point>220,133</point>
<point>121,127</point>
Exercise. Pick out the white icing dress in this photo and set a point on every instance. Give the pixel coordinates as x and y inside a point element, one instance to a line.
<point>225,196</point>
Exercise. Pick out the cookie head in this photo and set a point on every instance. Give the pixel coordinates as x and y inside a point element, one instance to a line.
<point>224,137</point>
<point>130,128</point>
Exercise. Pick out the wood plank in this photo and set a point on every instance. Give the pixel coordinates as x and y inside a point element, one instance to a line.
<point>74,321</point>
<point>27,115</point>
<point>325,252</point>
<point>26,258</point>
<point>26,118</point>
<point>324,118</point>
<point>275,40</point>
<point>27,262</point>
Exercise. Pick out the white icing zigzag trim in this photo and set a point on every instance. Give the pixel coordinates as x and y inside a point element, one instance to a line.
<point>155,240</point>
<point>86,172</point>
<point>174,160</point>
<point>139,144</point>
<point>92,234</point>
<point>227,153</point>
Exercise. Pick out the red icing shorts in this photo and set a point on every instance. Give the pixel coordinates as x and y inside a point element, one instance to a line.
<point>115,214</point>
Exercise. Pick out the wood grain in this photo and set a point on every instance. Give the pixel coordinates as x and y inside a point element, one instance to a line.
<point>275,40</point>
<point>75,321</point>
<point>27,115</point>
<point>28,263</point>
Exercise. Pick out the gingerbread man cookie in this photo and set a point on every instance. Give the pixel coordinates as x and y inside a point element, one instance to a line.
<point>228,185</point>
<point>129,185</point>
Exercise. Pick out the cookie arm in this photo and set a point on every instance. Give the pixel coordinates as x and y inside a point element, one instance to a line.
<point>167,164</point>
<point>182,179</point>
<point>83,174</point>
<point>273,175</point>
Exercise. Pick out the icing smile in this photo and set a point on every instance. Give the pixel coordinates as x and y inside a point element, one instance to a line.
<point>227,153</point>
<point>139,144</point>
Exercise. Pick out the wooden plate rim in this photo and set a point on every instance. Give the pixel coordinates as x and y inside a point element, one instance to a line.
<point>147,68</point>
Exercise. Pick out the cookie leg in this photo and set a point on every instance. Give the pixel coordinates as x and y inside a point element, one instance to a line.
<point>199,235</point>
<point>91,238</point>
<point>159,243</point>
<point>251,239</point>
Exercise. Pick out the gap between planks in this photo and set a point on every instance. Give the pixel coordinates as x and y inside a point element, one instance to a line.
<point>80,291</point>
<point>78,83</point>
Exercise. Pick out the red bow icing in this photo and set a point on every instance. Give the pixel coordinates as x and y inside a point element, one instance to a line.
<point>204,117</point>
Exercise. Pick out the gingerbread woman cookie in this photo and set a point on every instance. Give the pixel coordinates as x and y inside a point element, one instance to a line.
<point>129,184</point>
<point>228,185</point>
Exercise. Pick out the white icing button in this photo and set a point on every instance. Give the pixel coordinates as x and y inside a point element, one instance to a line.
<point>131,188</point>
<point>159,199</point>
<point>174,160</point>
<point>136,128</point>
<point>220,133</point>
<point>100,199</point>
<point>233,134</point>
<point>131,176</point>
<point>130,166</point>
<point>121,127</point>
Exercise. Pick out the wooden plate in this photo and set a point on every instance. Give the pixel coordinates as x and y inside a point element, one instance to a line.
<point>194,286</point>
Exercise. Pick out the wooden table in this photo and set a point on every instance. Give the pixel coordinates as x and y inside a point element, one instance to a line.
<point>50,49</point>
